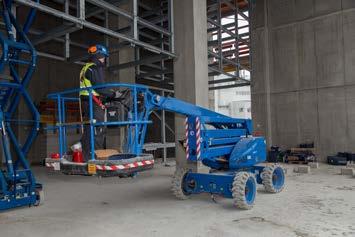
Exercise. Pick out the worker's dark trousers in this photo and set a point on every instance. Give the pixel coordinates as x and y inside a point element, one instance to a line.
<point>99,132</point>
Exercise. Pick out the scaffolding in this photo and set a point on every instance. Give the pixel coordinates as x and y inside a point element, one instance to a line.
<point>228,29</point>
<point>149,33</point>
<point>143,32</point>
<point>151,68</point>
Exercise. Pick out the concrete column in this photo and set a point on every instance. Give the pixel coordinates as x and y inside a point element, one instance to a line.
<point>190,66</point>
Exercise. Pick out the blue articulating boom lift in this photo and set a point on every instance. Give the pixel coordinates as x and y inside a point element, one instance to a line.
<point>18,186</point>
<point>227,146</point>
<point>224,144</point>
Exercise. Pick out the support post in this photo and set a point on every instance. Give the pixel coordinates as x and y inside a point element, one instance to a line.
<point>67,35</point>
<point>163,132</point>
<point>135,19</point>
<point>81,9</point>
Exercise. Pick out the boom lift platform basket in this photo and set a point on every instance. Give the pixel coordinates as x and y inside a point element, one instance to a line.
<point>130,114</point>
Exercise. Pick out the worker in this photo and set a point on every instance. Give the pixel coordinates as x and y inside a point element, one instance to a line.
<point>93,74</point>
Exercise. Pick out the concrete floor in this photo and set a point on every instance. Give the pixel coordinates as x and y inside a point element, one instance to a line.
<point>318,204</point>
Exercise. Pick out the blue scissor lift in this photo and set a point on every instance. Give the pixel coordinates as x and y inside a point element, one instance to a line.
<point>224,144</point>
<point>18,186</point>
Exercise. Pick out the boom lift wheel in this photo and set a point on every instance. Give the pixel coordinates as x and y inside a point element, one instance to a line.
<point>39,197</point>
<point>273,178</point>
<point>178,183</point>
<point>244,190</point>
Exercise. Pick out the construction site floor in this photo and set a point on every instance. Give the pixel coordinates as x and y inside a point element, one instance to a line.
<point>321,203</point>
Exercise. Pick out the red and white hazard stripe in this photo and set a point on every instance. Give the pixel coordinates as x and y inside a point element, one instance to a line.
<point>50,165</point>
<point>126,166</point>
<point>198,138</point>
<point>53,165</point>
<point>187,138</point>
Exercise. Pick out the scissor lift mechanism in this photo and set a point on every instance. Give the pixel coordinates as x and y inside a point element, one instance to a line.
<point>224,144</point>
<point>18,186</point>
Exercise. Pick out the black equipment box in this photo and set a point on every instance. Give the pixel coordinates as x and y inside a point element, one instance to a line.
<point>337,160</point>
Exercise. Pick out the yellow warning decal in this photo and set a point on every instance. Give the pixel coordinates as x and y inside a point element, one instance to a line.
<point>91,168</point>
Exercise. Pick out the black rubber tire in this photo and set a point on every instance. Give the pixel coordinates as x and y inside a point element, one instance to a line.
<point>239,190</point>
<point>177,183</point>
<point>267,176</point>
<point>40,198</point>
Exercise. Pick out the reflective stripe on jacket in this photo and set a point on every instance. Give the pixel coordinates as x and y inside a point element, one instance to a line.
<point>84,82</point>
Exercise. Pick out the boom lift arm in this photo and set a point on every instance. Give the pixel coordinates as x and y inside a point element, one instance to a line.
<point>221,142</point>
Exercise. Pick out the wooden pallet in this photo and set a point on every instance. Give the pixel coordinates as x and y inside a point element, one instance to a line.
<point>305,150</point>
<point>299,162</point>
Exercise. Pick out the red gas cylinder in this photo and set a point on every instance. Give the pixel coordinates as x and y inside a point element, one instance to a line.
<point>55,156</point>
<point>78,157</point>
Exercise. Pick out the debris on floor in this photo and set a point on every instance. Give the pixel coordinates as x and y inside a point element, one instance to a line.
<point>347,171</point>
<point>305,169</point>
<point>314,165</point>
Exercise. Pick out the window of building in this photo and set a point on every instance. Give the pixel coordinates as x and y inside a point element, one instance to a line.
<point>243,92</point>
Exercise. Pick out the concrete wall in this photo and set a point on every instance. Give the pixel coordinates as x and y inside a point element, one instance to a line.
<point>303,80</point>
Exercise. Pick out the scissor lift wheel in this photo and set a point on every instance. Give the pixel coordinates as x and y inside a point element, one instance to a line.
<point>273,178</point>
<point>178,183</point>
<point>244,190</point>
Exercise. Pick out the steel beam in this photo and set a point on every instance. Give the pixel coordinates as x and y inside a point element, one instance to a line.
<point>154,73</point>
<point>148,60</point>
<point>55,33</point>
<point>116,10</point>
<point>171,24</point>
<point>224,29</point>
<point>67,35</point>
<point>37,33</point>
<point>226,60</point>
<point>228,86</point>
<point>93,26</point>
<point>81,9</point>
<point>228,74</point>
<point>235,79</point>
<point>229,25</point>
<point>135,19</point>
<point>215,42</point>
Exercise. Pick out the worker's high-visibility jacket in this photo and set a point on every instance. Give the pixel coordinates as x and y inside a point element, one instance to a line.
<point>84,82</point>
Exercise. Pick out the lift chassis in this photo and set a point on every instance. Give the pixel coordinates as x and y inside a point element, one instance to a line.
<point>227,146</point>
<point>222,143</point>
